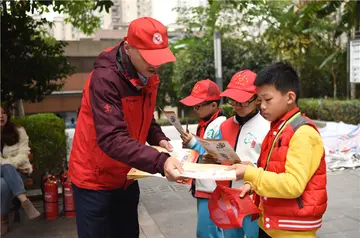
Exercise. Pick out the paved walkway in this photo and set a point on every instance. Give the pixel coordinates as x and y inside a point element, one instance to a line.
<point>168,211</point>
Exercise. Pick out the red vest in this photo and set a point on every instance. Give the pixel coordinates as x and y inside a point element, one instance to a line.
<point>230,131</point>
<point>89,166</point>
<point>306,211</point>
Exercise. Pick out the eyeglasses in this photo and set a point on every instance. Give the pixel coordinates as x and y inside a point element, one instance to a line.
<point>243,104</point>
<point>197,107</point>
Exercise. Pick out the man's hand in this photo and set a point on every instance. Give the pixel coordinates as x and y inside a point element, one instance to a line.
<point>186,137</point>
<point>209,159</point>
<point>245,189</point>
<point>239,169</point>
<point>166,144</point>
<point>173,169</point>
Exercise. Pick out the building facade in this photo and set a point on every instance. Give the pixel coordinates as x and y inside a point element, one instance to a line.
<point>65,103</point>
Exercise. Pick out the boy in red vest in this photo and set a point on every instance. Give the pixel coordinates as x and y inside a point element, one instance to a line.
<point>290,184</point>
<point>205,98</point>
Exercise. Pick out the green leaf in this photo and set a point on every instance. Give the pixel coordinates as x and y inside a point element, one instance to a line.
<point>329,59</point>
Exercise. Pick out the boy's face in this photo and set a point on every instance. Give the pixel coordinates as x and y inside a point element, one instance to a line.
<point>275,104</point>
<point>205,109</point>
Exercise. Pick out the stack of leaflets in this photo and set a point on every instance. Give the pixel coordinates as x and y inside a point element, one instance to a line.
<point>183,155</point>
<point>192,170</point>
<point>208,172</point>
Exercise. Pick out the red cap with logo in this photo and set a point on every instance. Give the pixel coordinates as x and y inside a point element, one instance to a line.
<point>150,37</point>
<point>241,87</point>
<point>204,90</point>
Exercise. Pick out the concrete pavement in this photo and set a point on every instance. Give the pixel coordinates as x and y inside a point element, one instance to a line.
<point>167,210</point>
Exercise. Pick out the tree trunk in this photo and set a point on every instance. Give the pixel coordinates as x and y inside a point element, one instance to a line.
<point>352,90</point>
<point>334,82</point>
<point>19,108</point>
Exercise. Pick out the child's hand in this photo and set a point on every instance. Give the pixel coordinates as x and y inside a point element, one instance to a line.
<point>186,138</point>
<point>239,169</point>
<point>247,163</point>
<point>245,189</point>
<point>209,159</point>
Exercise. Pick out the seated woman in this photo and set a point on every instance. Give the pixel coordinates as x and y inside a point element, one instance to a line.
<point>13,158</point>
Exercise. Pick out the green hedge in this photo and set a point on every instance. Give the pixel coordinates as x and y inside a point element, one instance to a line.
<point>347,111</point>
<point>48,144</point>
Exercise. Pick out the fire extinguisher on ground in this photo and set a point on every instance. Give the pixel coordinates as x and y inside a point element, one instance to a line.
<point>51,201</point>
<point>68,197</point>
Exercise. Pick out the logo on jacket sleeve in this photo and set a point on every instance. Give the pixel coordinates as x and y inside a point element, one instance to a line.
<point>107,108</point>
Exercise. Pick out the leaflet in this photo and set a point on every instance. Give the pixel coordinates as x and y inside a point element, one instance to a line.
<point>220,150</point>
<point>208,172</point>
<point>174,120</point>
<point>183,155</point>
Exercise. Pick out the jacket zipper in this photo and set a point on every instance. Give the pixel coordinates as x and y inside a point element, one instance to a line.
<point>142,118</point>
<point>300,202</point>
<point>236,141</point>
<point>237,138</point>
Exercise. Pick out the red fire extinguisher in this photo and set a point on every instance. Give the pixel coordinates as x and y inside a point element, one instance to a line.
<point>69,205</point>
<point>51,201</point>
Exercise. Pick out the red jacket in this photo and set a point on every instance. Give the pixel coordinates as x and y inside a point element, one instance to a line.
<point>115,121</point>
<point>306,211</point>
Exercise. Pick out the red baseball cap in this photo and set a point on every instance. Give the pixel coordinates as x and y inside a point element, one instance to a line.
<point>204,90</point>
<point>150,37</point>
<point>241,87</point>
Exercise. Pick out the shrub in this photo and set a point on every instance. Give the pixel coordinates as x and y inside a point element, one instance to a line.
<point>47,141</point>
<point>347,111</point>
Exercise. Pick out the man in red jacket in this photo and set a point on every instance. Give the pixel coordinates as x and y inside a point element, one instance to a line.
<point>115,121</point>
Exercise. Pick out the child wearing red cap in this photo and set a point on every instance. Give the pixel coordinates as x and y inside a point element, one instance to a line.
<point>290,184</point>
<point>245,132</point>
<point>205,98</point>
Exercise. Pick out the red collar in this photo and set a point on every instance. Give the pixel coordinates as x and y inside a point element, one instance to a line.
<point>203,124</point>
<point>213,117</point>
<point>276,124</point>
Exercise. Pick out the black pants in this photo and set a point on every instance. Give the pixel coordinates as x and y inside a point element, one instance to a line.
<point>107,214</point>
<point>263,234</point>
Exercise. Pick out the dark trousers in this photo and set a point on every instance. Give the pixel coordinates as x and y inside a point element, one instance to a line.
<point>263,234</point>
<point>107,214</point>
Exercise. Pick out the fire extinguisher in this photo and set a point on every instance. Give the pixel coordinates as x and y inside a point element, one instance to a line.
<point>68,198</point>
<point>51,201</point>
<point>64,176</point>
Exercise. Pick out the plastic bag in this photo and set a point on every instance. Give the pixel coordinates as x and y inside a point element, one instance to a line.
<point>227,209</point>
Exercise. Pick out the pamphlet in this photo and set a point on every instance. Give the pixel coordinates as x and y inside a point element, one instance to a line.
<point>208,172</point>
<point>183,155</point>
<point>220,150</point>
<point>174,120</point>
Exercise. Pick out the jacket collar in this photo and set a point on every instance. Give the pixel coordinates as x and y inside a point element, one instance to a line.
<point>278,123</point>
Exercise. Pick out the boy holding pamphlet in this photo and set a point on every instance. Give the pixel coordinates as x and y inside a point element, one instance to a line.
<point>290,184</point>
<point>205,98</point>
